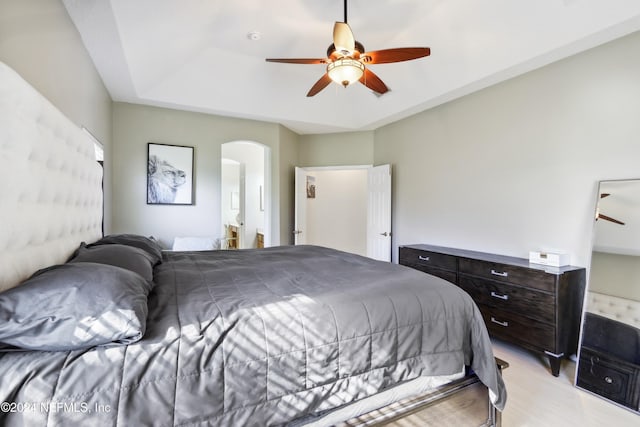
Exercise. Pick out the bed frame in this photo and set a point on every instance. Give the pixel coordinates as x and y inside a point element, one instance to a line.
<point>51,201</point>
<point>463,402</point>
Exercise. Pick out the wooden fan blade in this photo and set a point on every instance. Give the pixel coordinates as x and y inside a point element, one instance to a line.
<point>343,38</point>
<point>320,84</point>
<point>395,55</point>
<point>298,60</point>
<point>603,195</point>
<point>373,82</point>
<point>608,218</point>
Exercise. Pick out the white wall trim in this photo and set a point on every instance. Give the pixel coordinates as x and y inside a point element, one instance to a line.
<point>336,168</point>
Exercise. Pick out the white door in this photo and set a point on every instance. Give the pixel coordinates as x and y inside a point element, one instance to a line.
<point>379,213</point>
<point>300,207</point>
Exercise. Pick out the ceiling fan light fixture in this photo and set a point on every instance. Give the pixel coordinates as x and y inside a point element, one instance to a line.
<point>346,59</point>
<point>345,71</point>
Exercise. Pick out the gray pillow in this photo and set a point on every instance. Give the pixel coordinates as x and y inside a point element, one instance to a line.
<point>129,257</point>
<point>149,244</point>
<point>74,306</point>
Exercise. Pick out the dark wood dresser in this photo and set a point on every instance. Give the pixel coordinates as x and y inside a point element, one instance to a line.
<point>534,306</point>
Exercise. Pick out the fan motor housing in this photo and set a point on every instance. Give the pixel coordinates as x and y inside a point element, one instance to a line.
<point>359,50</point>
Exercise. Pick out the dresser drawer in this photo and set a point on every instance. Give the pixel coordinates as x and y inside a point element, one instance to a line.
<point>418,258</point>
<point>518,329</point>
<point>540,306</point>
<point>605,377</point>
<point>528,277</point>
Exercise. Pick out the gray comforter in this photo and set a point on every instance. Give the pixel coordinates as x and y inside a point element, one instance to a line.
<point>257,337</point>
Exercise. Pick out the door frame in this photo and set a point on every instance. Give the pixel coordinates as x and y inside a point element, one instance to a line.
<point>326,168</point>
<point>266,191</point>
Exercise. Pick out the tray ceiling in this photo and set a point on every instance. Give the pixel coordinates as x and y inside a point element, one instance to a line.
<point>197,55</point>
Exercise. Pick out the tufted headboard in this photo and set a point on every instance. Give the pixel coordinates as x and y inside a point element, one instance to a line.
<point>50,183</point>
<point>615,308</point>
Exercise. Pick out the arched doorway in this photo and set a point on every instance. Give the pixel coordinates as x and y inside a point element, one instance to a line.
<point>245,201</point>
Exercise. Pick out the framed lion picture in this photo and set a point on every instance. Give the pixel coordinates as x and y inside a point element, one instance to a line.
<point>169,174</point>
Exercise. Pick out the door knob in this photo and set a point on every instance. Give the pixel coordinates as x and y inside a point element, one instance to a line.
<point>297,231</point>
<point>385,234</point>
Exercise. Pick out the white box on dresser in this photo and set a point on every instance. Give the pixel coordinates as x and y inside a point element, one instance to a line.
<point>554,259</point>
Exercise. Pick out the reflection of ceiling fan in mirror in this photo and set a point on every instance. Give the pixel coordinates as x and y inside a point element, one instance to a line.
<point>347,60</point>
<point>605,217</point>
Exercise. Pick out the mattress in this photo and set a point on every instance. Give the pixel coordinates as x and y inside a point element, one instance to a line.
<point>409,389</point>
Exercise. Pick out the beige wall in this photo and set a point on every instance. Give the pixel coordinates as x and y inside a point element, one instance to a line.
<point>338,149</point>
<point>515,167</point>
<point>615,274</point>
<point>39,41</point>
<point>137,125</point>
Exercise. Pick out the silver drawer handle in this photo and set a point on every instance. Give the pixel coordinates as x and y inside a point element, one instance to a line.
<point>423,258</point>
<point>504,297</point>
<point>498,273</point>
<point>608,380</point>
<point>493,320</point>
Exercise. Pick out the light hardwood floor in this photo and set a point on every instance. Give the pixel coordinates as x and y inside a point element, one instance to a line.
<point>537,398</point>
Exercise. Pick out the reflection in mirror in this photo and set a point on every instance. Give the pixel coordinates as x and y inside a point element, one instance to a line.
<point>609,359</point>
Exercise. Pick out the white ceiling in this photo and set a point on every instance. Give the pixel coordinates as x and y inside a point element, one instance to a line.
<point>196,54</point>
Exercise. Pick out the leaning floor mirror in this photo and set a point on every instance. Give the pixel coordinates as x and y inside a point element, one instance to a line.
<point>609,357</point>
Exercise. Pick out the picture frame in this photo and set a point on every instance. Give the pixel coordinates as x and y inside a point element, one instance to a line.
<point>169,174</point>
<point>311,187</point>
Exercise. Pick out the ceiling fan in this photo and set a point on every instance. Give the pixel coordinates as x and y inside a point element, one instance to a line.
<point>346,60</point>
<point>605,217</point>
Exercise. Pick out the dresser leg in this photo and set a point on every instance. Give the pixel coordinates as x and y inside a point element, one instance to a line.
<point>554,361</point>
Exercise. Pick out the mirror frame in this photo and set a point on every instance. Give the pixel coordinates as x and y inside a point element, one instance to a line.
<point>598,215</point>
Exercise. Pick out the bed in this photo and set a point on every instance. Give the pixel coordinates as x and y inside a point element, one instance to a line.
<point>113,330</point>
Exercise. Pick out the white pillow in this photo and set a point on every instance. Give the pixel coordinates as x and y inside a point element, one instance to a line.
<point>195,244</point>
